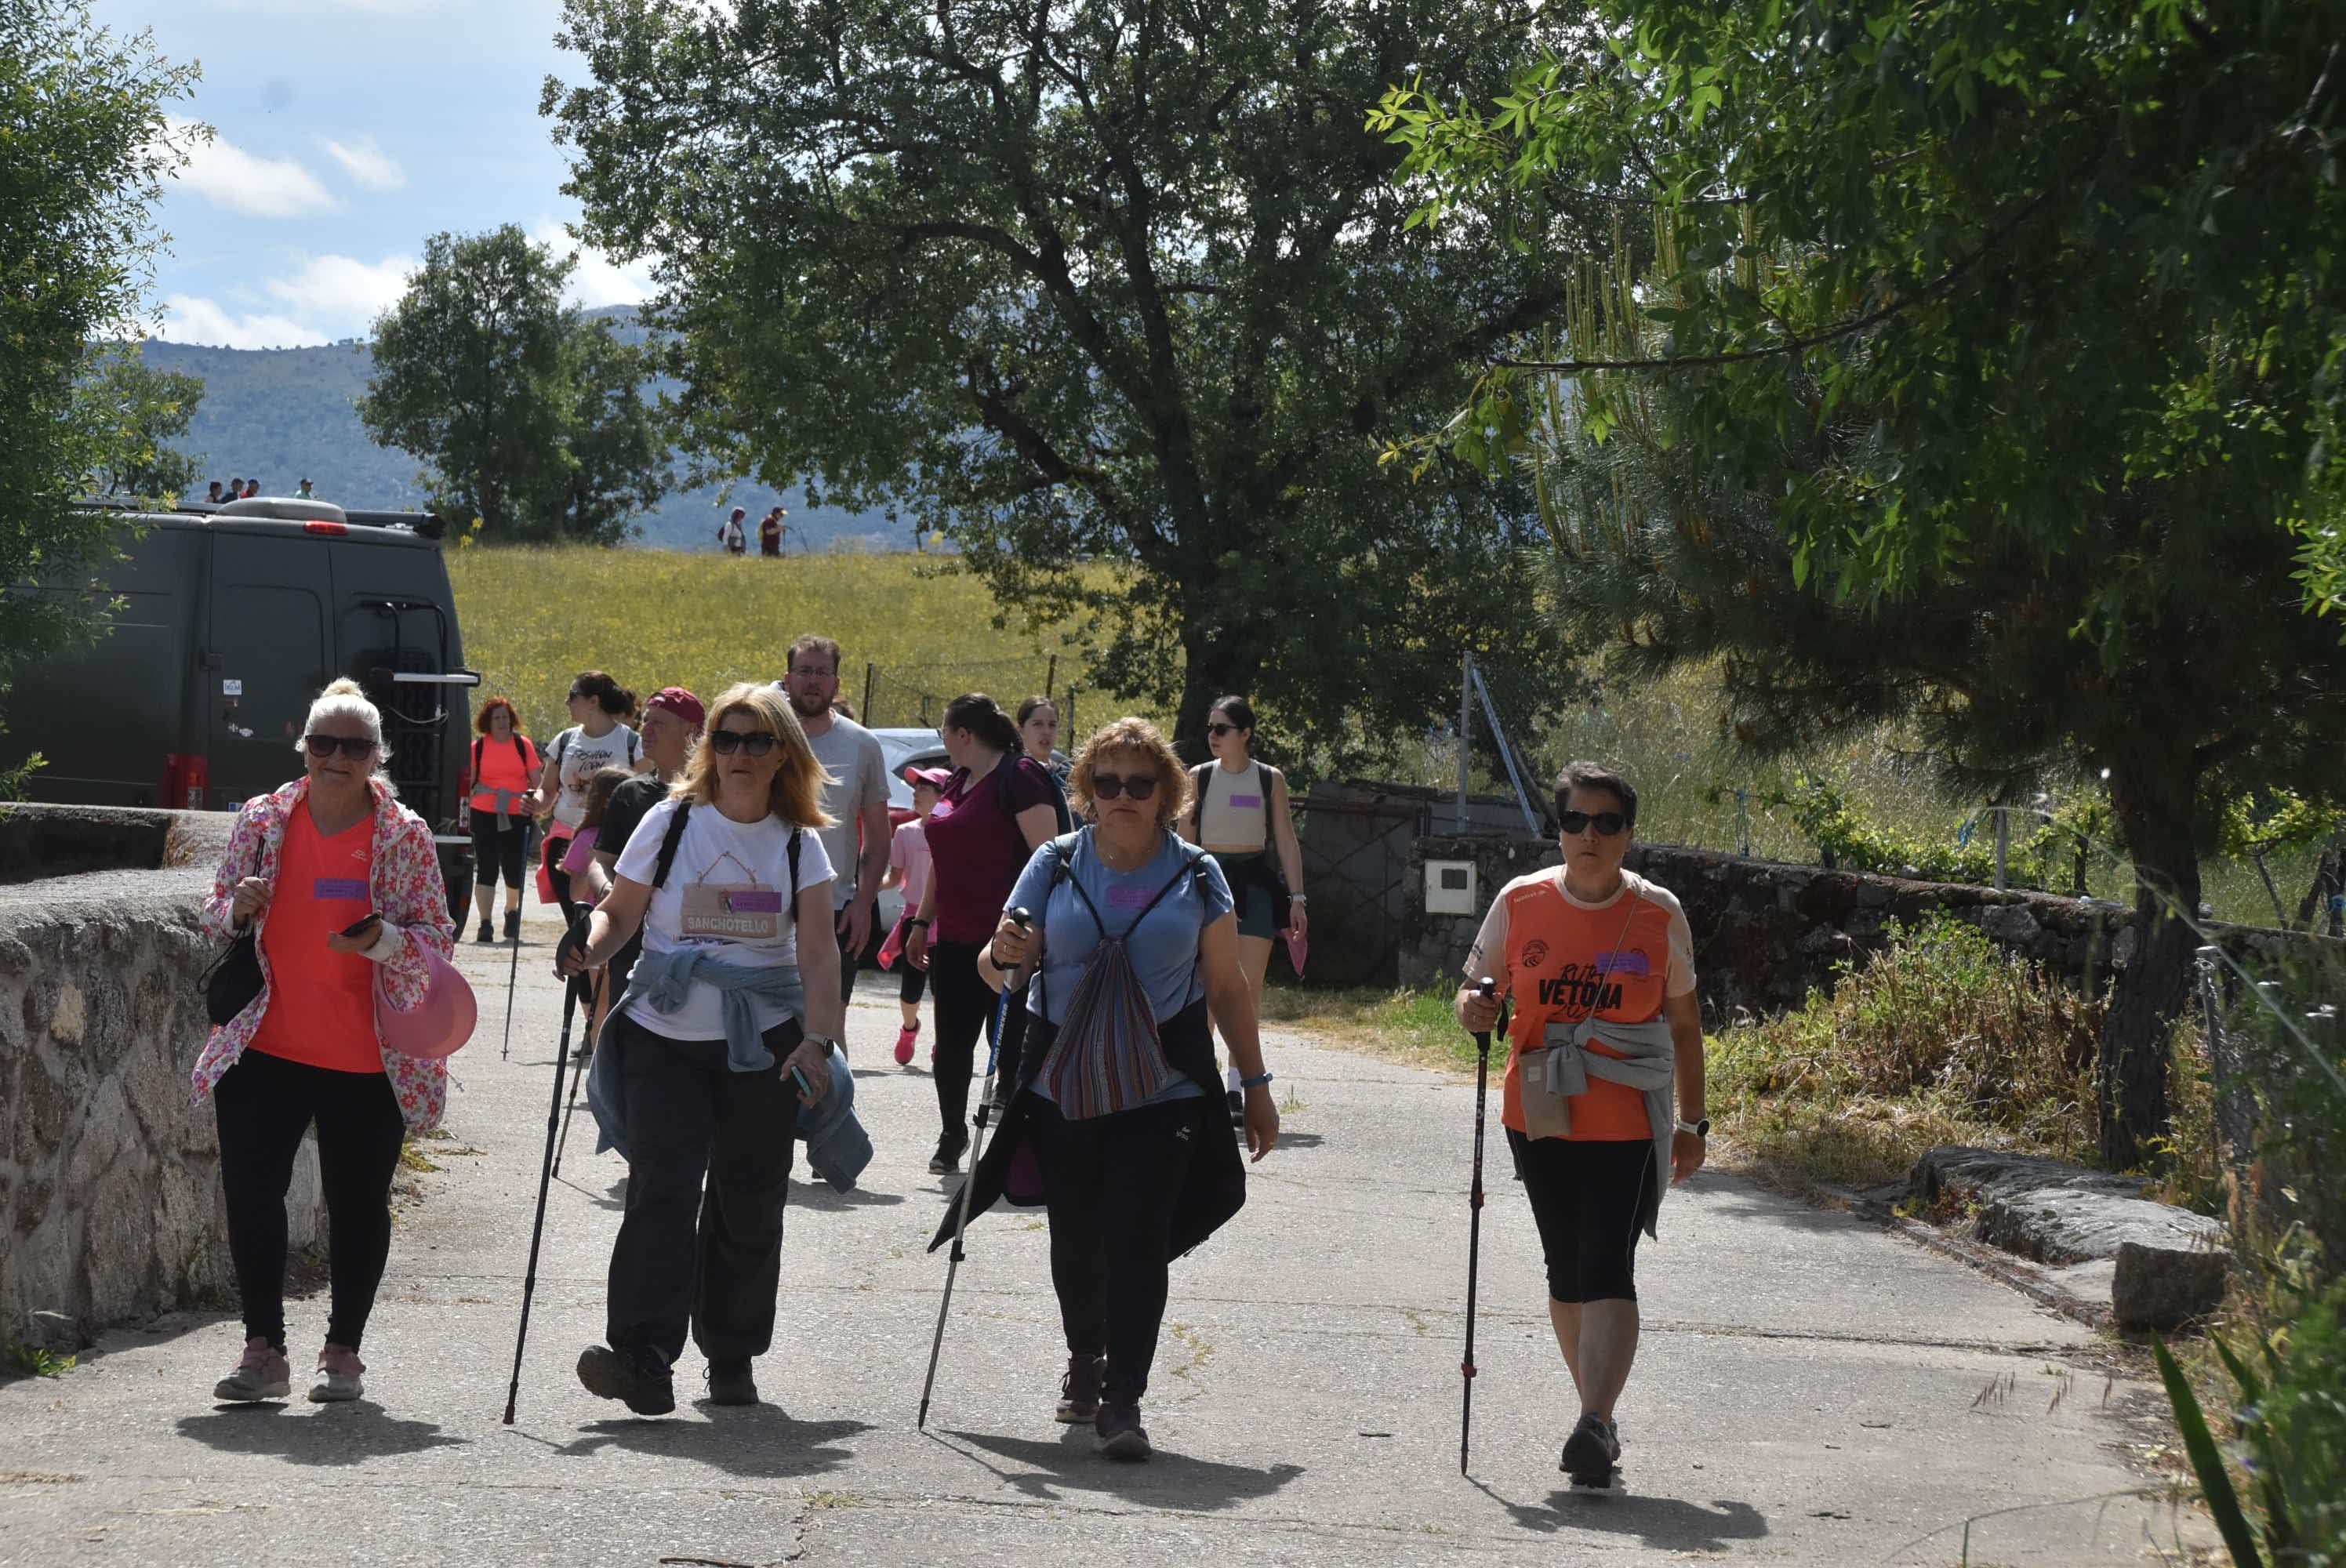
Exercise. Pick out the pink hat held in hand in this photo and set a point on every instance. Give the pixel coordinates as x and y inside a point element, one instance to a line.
<point>438,1025</point>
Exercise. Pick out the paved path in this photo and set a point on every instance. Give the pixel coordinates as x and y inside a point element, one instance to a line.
<point>1810,1390</point>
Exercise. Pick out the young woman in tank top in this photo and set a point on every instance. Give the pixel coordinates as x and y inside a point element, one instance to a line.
<point>1240,817</point>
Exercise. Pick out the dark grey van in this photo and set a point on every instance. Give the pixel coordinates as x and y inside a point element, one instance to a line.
<point>230,620</point>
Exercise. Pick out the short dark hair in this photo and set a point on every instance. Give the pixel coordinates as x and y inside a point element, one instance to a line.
<point>1596,776</point>
<point>607,693</point>
<point>983,717</point>
<point>1028,709</point>
<point>813,644</point>
<point>1239,712</point>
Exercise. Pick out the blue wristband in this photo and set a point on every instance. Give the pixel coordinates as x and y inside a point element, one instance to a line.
<point>1254,1083</point>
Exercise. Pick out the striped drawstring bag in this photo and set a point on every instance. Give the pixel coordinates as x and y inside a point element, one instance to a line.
<point>1108,1056</point>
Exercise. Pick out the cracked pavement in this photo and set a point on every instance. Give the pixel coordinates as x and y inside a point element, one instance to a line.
<point>1809,1388</point>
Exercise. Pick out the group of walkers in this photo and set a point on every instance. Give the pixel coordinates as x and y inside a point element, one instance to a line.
<point>243,489</point>
<point>1102,920</point>
<point>733,533</point>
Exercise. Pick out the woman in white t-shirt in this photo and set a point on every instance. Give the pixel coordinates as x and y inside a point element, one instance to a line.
<point>725,1031</point>
<point>595,739</point>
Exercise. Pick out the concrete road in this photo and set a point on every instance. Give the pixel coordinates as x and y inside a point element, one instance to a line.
<point>1810,1389</point>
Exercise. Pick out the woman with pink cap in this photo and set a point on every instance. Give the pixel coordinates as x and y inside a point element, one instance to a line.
<point>908,868</point>
<point>341,887</point>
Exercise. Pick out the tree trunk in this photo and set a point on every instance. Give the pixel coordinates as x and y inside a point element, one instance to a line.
<point>2156,798</point>
<point>1215,665</point>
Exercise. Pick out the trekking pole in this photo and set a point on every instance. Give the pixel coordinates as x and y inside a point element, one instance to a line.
<point>1486,989</point>
<point>570,990</point>
<point>513,972</point>
<point>960,1199</point>
<point>595,1022</point>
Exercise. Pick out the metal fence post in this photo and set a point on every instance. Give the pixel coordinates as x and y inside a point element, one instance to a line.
<point>1051,675</point>
<point>870,670</point>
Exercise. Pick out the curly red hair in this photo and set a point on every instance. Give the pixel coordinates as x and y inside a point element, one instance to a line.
<point>488,711</point>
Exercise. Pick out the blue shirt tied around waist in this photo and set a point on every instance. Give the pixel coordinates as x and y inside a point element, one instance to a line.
<point>1163,948</point>
<point>837,1148</point>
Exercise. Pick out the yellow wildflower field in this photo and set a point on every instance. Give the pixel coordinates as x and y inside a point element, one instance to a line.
<point>533,617</point>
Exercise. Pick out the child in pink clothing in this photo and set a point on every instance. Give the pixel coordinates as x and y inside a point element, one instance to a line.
<point>908,868</point>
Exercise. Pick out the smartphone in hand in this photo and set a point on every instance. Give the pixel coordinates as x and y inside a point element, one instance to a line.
<point>362,925</point>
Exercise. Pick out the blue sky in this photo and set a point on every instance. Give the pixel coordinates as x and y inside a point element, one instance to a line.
<point>348,132</point>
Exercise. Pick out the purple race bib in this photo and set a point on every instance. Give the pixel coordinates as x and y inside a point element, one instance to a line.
<point>1129,897</point>
<point>755,902</point>
<point>1246,802</point>
<point>327,887</point>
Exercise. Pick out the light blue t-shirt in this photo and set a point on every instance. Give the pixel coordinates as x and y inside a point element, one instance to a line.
<point>1163,948</point>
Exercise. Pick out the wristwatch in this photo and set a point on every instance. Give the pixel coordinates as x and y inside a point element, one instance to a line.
<point>827,1043</point>
<point>1699,1126</point>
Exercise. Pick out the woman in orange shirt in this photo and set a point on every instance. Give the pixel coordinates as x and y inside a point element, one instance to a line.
<point>504,798</point>
<point>1600,964</point>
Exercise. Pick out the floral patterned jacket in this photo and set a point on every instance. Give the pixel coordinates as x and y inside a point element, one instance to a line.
<point>408,894</point>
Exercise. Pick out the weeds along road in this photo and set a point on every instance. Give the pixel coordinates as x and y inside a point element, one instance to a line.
<point>1810,1389</point>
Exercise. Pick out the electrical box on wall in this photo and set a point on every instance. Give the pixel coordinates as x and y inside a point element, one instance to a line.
<point>1450,888</point>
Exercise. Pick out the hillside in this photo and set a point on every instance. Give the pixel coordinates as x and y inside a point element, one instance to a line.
<point>284,414</point>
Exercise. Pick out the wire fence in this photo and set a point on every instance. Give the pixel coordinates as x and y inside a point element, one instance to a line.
<point>914,697</point>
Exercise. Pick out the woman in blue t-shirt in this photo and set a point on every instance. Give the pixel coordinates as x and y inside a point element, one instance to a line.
<point>1137,1162</point>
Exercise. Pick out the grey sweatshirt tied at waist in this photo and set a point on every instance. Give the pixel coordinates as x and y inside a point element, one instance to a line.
<point>1648,1064</point>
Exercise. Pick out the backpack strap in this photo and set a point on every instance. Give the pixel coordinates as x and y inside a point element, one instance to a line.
<point>1198,776</point>
<point>633,739</point>
<point>791,898</point>
<point>478,741</point>
<point>675,836</point>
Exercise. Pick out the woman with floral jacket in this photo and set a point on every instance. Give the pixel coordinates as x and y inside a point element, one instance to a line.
<point>343,887</point>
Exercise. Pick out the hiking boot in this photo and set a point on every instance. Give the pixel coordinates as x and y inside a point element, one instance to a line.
<point>483,935</point>
<point>337,1376</point>
<point>637,1377</point>
<point>513,925</point>
<point>1592,1454</point>
<point>951,1145</point>
<point>1079,1390</point>
<point>1121,1435</point>
<point>906,1038</point>
<point>729,1383</point>
<point>262,1374</point>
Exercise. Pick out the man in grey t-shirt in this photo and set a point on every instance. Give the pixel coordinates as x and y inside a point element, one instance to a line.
<point>850,753</point>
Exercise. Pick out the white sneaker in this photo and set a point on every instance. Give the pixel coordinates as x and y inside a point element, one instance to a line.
<point>262,1374</point>
<point>337,1376</point>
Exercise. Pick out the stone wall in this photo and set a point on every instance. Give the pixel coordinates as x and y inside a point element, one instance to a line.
<point>1767,933</point>
<point>109,1178</point>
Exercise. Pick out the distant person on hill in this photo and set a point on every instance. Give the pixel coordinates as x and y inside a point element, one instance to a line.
<point>251,488</point>
<point>235,489</point>
<point>770,532</point>
<point>305,493</point>
<point>504,767</point>
<point>215,495</point>
<point>854,796</point>
<point>730,533</point>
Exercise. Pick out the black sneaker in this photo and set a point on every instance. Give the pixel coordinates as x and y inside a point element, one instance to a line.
<point>729,1383</point>
<point>1237,1107</point>
<point>484,934</point>
<point>951,1146</point>
<point>637,1377</point>
<point>1121,1435</point>
<point>1591,1455</point>
<point>513,925</point>
<point>1079,1390</point>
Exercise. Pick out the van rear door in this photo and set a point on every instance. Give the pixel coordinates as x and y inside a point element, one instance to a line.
<point>267,653</point>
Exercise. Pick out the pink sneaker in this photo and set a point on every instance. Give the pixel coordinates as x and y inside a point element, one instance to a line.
<point>337,1376</point>
<point>906,1038</point>
<point>262,1374</point>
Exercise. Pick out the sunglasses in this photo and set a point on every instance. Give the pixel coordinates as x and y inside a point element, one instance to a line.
<point>357,748</point>
<point>728,742</point>
<point>1108,786</point>
<point>1219,730</point>
<point>1605,822</point>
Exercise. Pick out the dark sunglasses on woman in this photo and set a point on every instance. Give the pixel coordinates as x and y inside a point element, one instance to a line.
<point>1605,822</point>
<point>1108,786</point>
<point>357,748</point>
<point>1219,730</point>
<point>728,741</point>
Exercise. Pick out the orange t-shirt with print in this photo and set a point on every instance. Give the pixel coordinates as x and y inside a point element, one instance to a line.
<point>321,1001</point>
<point>1564,957</point>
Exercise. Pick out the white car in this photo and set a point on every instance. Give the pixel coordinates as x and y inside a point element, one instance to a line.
<point>906,748</point>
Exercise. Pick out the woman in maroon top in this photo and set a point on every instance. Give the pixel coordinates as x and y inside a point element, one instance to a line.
<point>998,809</point>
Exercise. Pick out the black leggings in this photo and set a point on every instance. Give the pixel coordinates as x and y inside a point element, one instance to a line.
<point>1587,1195</point>
<point>965,1006</point>
<point>1111,1184</point>
<point>264,1104</point>
<point>497,851</point>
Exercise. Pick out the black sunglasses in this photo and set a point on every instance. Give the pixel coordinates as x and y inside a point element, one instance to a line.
<point>1219,729</point>
<point>1108,786</point>
<point>357,748</point>
<point>1605,822</point>
<point>728,741</point>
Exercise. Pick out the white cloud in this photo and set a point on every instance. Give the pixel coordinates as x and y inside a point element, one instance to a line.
<point>366,162</point>
<point>188,320</point>
<point>597,280</point>
<point>231,178</point>
<point>342,294</point>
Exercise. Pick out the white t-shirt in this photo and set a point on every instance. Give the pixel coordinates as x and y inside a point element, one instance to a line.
<point>730,533</point>
<point>582,757</point>
<point>850,753</point>
<point>752,860</point>
<point>1490,950</point>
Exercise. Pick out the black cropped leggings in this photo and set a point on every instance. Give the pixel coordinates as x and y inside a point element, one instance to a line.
<point>264,1104</point>
<point>965,1006</point>
<point>1587,1195</point>
<point>497,851</point>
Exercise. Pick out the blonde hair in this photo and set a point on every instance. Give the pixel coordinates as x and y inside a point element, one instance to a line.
<point>1136,735</point>
<point>797,794</point>
<point>345,698</point>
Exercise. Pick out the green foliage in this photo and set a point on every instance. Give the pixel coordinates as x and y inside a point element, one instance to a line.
<point>2207,1462</point>
<point>1105,282</point>
<point>30,1360</point>
<point>143,410</point>
<point>531,415</point>
<point>86,147</point>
